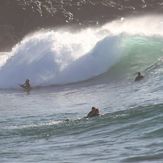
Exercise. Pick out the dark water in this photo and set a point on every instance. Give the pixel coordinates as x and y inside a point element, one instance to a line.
<point>20,17</point>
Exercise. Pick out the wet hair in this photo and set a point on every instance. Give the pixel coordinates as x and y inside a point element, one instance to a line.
<point>93,108</point>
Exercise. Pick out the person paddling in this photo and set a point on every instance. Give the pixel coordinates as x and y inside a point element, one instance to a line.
<point>139,77</point>
<point>93,113</point>
<point>26,85</point>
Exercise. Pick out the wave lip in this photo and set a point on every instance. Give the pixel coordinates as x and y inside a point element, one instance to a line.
<point>47,59</point>
<point>61,57</point>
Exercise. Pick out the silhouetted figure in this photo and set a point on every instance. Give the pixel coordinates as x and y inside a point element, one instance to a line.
<point>26,85</point>
<point>139,77</point>
<point>93,113</point>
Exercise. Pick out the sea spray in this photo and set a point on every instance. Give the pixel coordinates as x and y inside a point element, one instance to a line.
<point>52,57</point>
<point>43,55</point>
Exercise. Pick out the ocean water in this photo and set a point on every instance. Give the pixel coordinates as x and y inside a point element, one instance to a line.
<point>72,71</point>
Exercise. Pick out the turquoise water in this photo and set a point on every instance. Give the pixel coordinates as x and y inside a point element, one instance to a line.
<point>48,124</point>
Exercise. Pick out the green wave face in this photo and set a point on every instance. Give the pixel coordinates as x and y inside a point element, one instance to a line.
<point>139,53</point>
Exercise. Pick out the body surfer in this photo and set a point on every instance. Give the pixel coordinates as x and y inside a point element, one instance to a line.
<point>26,85</point>
<point>93,113</point>
<point>139,77</point>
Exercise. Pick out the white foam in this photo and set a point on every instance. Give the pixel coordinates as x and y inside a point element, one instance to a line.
<point>60,56</point>
<point>146,25</point>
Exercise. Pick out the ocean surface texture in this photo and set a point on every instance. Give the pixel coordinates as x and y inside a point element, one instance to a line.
<point>77,58</point>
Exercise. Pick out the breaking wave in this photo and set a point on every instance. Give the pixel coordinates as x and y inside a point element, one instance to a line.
<point>60,56</point>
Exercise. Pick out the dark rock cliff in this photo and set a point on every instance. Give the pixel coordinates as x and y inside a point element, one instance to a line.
<point>19,17</point>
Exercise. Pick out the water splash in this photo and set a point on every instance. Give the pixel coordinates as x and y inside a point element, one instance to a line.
<point>61,56</point>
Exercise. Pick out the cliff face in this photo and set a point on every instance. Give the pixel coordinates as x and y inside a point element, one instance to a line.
<point>19,17</point>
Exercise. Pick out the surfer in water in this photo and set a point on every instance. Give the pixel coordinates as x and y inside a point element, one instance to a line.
<point>139,77</point>
<point>93,113</point>
<point>26,85</point>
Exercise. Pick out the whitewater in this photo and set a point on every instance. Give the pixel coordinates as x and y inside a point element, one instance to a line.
<point>72,70</point>
<point>60,56</point>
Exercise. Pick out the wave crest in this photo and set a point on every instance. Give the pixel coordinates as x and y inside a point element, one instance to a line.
<point>60,56</point>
